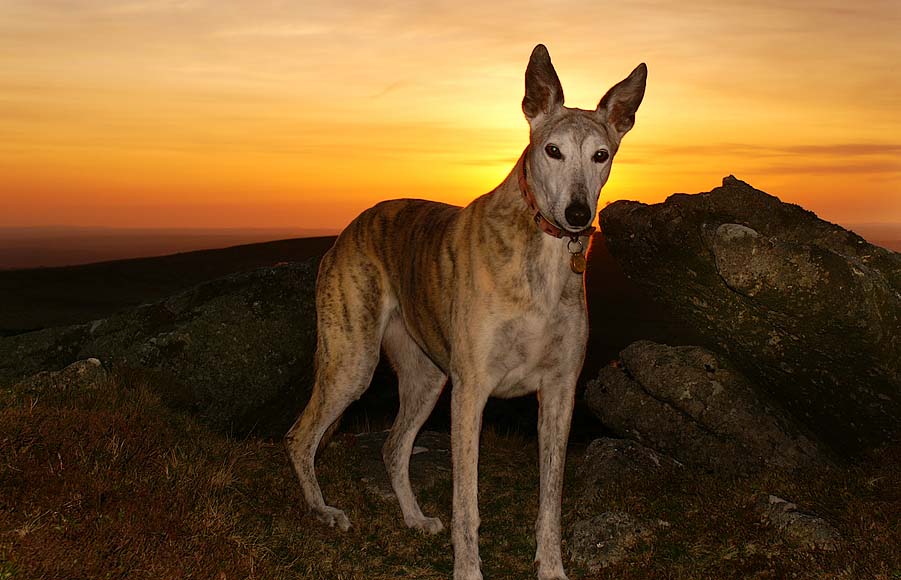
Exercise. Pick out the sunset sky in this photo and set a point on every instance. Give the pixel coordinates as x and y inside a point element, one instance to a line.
<point>209,113</point>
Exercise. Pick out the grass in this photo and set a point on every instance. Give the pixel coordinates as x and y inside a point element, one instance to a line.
<point>107,482</point>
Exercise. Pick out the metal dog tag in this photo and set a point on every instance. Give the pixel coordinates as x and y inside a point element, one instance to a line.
<point>578,263</point>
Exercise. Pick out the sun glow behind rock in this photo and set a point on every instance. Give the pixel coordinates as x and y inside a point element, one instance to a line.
<point>199,113</point>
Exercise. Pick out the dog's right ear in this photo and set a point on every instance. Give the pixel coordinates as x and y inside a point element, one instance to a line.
<point>544,93</point>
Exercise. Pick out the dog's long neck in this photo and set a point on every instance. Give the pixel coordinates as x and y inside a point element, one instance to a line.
<point>541,259</point>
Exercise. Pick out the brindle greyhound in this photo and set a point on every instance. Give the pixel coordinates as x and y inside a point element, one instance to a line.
<point>490,295</point>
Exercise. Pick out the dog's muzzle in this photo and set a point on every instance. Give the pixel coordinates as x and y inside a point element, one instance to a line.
<point>577,214</point>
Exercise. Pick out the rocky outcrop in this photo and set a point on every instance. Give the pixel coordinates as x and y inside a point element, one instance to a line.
<point>82,374</point>
<point>237,349</point>
<point>612,461</point>
<point>810,311</point>
<point>610,538</point>
<point>50,349</point>
<point>800,530</point>
<point>689,403</point>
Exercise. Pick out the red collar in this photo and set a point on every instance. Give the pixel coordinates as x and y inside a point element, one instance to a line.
<point>544,224</point>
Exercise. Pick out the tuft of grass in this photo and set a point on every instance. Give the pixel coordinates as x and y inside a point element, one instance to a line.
<point>107,482</point>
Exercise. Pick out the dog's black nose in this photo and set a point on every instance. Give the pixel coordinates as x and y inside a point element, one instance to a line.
<point>577,214</point>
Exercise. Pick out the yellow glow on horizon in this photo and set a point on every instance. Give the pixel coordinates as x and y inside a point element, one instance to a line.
<point>209,114</point>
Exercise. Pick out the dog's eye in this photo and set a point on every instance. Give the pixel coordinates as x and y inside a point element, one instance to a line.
<point>600,156</point>
<point>553,151</point>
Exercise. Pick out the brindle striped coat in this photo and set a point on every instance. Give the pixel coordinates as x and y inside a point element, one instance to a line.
<point>478,294</point>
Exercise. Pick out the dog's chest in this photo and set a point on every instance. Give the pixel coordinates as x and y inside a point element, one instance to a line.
<point>530,347</point>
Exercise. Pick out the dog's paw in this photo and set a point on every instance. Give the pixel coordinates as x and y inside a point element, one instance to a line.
<point>551,572</point>
<point>332,517</point>
<point>473,575</point>
<point>425,525</point>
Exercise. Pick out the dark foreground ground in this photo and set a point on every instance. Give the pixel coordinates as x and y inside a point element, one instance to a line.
<point>103,481</point>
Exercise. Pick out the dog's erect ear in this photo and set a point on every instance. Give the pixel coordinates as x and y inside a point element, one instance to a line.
<point>620,103</point>
<point>544,92</point>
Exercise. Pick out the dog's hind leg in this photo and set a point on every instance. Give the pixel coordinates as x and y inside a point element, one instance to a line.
<point>351,314</point>
<point>419,384</point>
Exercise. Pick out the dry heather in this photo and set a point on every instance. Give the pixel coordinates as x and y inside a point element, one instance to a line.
<point>106,482</point>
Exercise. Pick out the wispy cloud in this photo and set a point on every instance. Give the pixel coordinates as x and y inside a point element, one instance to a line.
<point>390,88</point>
<point>831,151</point>
<point>280,30</point>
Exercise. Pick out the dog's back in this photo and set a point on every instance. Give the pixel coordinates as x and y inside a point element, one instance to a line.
<point>405,248</point>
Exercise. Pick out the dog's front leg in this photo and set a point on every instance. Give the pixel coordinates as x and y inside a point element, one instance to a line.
<point>555,405</point>
<point>467,404</point>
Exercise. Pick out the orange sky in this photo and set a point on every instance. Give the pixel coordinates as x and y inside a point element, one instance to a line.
<point>203,113</point>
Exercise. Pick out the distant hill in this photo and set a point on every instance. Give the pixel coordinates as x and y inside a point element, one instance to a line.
<point>887,235</point>
<point>51,246</point>
<point>44,297</point>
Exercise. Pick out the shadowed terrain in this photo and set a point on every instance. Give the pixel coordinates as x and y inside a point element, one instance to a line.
<point>44,297</point>
<point>100,479</point>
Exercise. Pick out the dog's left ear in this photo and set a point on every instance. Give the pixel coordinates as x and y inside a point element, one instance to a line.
<point>620,103</point>
<point>544,93</point>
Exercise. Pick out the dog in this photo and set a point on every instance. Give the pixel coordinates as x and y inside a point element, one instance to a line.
<point>491,295</point>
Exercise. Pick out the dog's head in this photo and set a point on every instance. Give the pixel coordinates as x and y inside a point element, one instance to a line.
<point>571,150</point>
